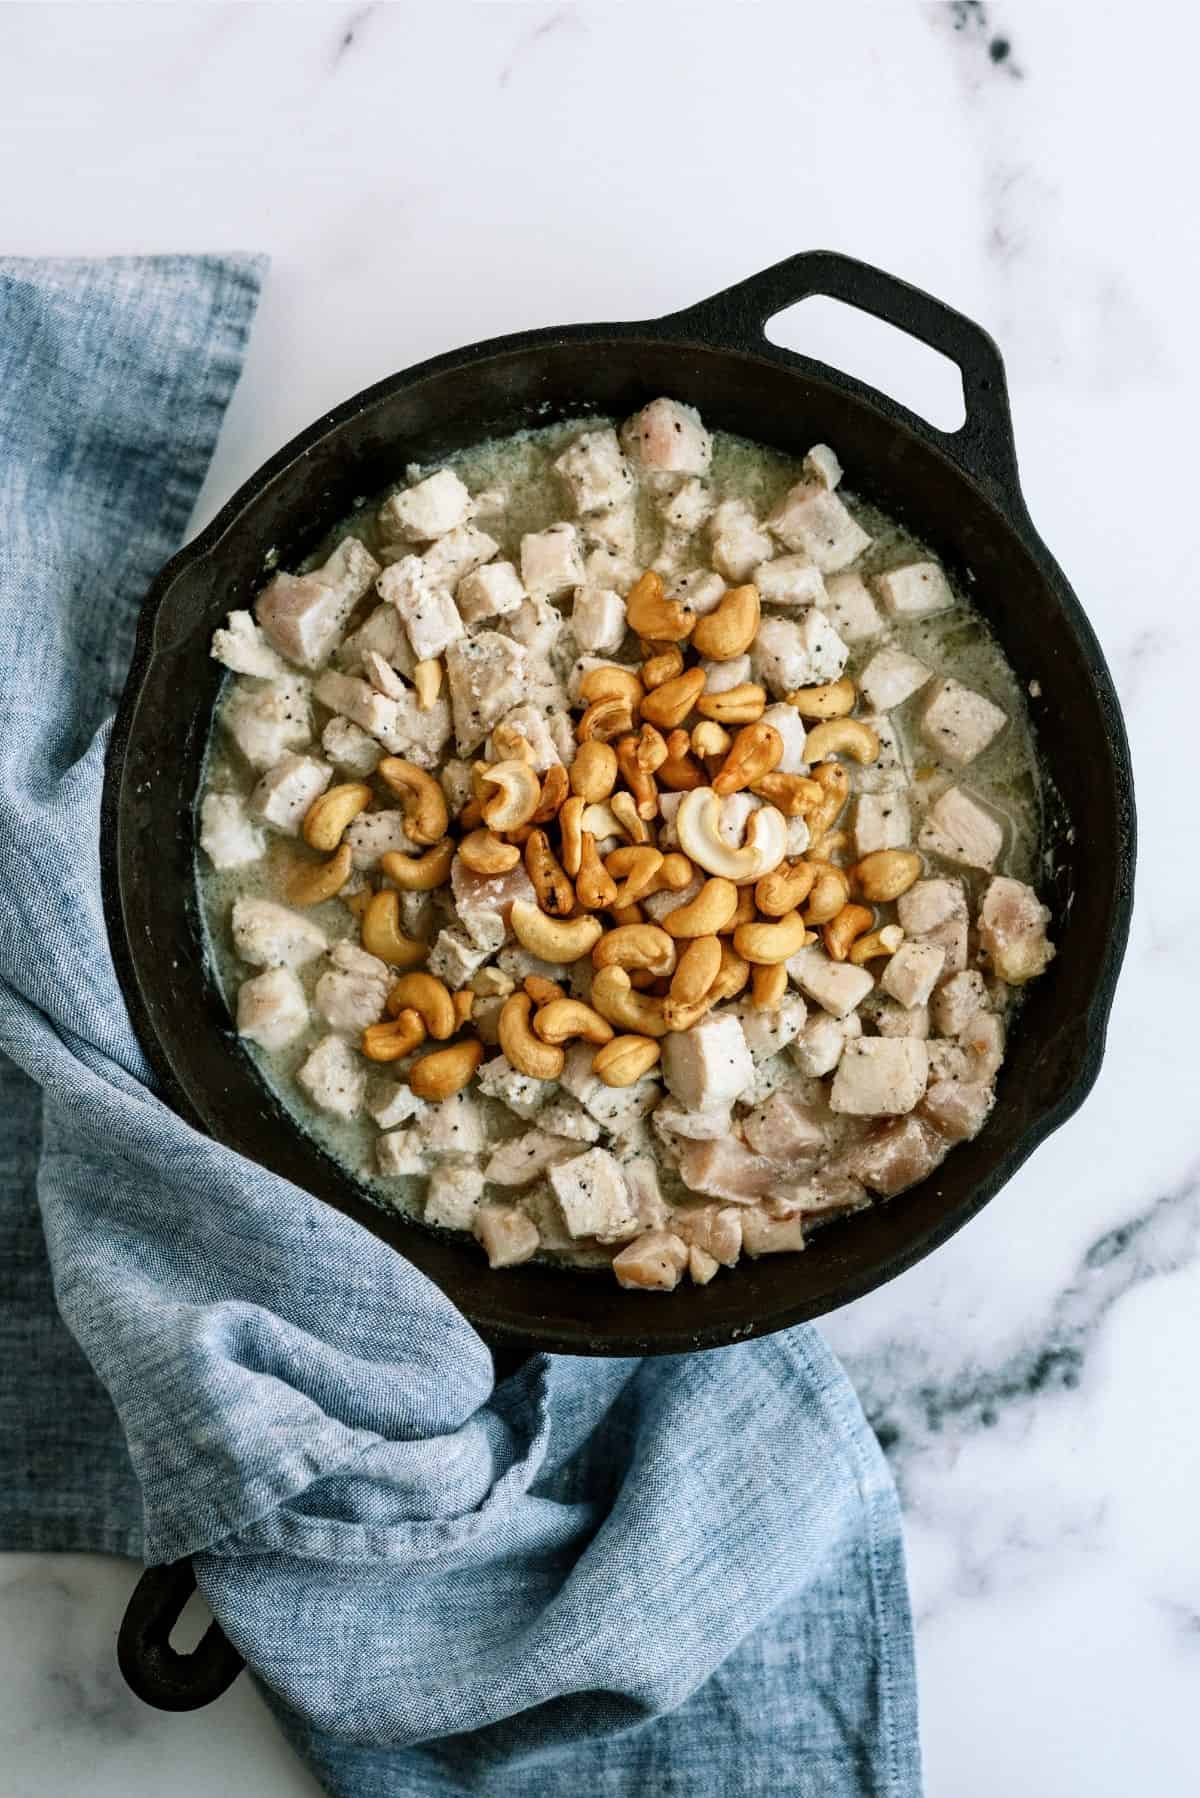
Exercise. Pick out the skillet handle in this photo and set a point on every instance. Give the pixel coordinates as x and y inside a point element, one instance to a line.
<point>154,1671</point>
<point>737,316</point>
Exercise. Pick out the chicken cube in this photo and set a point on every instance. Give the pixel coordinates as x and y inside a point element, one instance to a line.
<point>957,1000</point>
<point>242,647</point>
<point>525,1158</point>
<point>418,735</point>
<point>708,1066</point>
<point>895,1019</point>
<point>721,677</point>
<point>957,1109</point>
<point>459,553</point>
<point>455,957</point>
<point>392,1103</point>
<point>667,438</point>
<point>509,1235</point>
<point>767,1033</point>
<point>456,784</point>
<point>598,619</point>
<point>271,1009</point>
<point>948,1061</point>
<point>434,506</point>
<point>593,1196</point>
<point>375,834</point>
<point>484,902</point>
<point>766,1235</point>
<point>849,606</point>
<point>531,724</point>
<point>452,1197</point>
<point>958,723</point>
<point>701,591</point>
<point>430,616</point>
<point>818,1048</point>
<point>303,616</point>
<point>790,581</point>
<point>335,1078</point>
<point>717,1229</point>
<point>1012,930</point>
<point>285,792</point>
<point>567,1117</point>
<point>812,519</point>
<point>786,1131</point>
<point>493,591</point>
<point>358,701</point>
<point>615,1108</point>
<point>880,1076</point>
<point>792,729</point>
<point>890,677</point>
<point>611,538</point>
<point>350,748</point>
<point>897,1156</point>
<point>454,1126</point>
<point>382,634</point>
<point>595,472</point>
<point>487,675</point>
<point>701,1265</point>
<point>915,591</point>
<point>399,1153</point>
<point>837,986</point>
<point>822,466</point>
<point>352,993</point>
<point>499,1080</point>
<point>739,542</point>
<point>881,821</point>
<point>727,1169</point>
<point>787,655</point>
<point>960,829</point>
<point>983,1041</point>
<point>687,508</point>
<point>652,1263</point>
<point>227,835</point>
<point>267,720</point>
<point>271,936</point>
<point>930,903</point>
<point>912,973</point>
<point>551,561</point>
<point>536,625</point>
<point>672,1119</point>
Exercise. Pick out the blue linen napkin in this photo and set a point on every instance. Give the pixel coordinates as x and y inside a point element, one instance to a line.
<point>681,1576</point>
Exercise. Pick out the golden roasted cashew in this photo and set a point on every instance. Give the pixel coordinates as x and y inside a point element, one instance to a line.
<point>842,931</point>
<point>525,1051</point>
<point>625,1059</point>
<point>382,935</point>
<point>637,867</point>
<point>419,873</point>
<point>570,832</point>
<point>553,939</point>
<point>640,783</point>
<point>732,977</point>
<point>650,614</point>
<point>886,873</point>
<point>614,997</point>
<point>679,773</point>
<point>518,791</point>
<point>427,679</point>
<point>636,946</point>
<point>555,892</point>
<point>562,1019</point>
<point>707,914</point>
<point>541,990</point>
<point>327,817</point>
<point>793,794</point>
<point>710,738</point>
<point>668,705</point>
<point>697,825</point>
<point>426,814</point>
<point>696,971</point>
<point>555,787</point>
<point>595,887</point>
<point>834,700</point>
<point>430,998</point>
<point>604,719</point>
<point>768,984</point>
<point>593,773</point>
<point>445,1072</point>
<point>651,749</point>
<point>754,753</point>
<point>834,783</point>
<point>611,681</point>
<point>786,887</point>
<point>633,825</point>
<point>772,942</point>
<point>830,891</point>
<point>876,943</point>
<point>731,627</point>
<point>397,1037</point>
<point>311,883</point>
<point>842,736</point>
<point>464,1005</point>
<point>737,705</point>
<point>660,668</point>
<point>483,852</point>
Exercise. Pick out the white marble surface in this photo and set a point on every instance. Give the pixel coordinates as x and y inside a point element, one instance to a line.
<point>427,175</point>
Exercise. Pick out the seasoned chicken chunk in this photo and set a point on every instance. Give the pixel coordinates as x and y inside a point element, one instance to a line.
<point>399,1153</point>
<point>271,936</point>
<point>957,1109</point>
<point>484,902</point>
<point>957,1000</point>
<point>285,792</point>
<point>303,616</point>
<point>791,581</point>
<point>785,1130</point>
<point>881,821</point>
<point>525,1158</point>
<point>717,1229</point>
<point>430,616</point>
<point>897,1156</point>
<point>351,993</point>
<point>1012,930</point>
<point>812,519</point>
<point>382,633</point>
<point>459,553</point>
<point>912,973</point>
<point>242,647</point>
<point>726,1169</point>
<point>487,675</point>
<point>509,1235</point>
<point>891,677</point>
<point>350,748</point>
<point>267,719</point>
<point>894,1019</point>
<point>452,1196</point>
<point>769,1032</point>
<point>708,1066</point>
<point>957,723</point>
<point>701,591</point>
<point>685,510</point>
<point>498,1079</point>
<point>228,836</point>
<point>959,828</point>
<point>391,1103</point>
<point>850,608</point>
<point>432,507</point>
<point>930,903</point>
<point>335,1078</point>
<point>375,834</point>
<point>454,1126</point>
<point>595,472</point>
<point>766,1235</point>
<point>552,561</point>
<point>672,1119</point>
<point>739,542</point>
<point>805,654</point>
<point>880,1076</point>
<point>493,591</point>
<point>594,1197</point>
<point>455,957</point>
<point>271,1009</point>
<point>667,438</point>
<point>652,1263</point>
<point>818,1048</point>
<point>837,986</point>
<point>890,772</point>
<point>567,1117</point>
<point>915,591</point>
<point>598,619</point>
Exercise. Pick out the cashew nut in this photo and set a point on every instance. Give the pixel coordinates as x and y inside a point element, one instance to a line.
<point>834,783</point>
<point>651,749</point>
<point>675,873</point>
<point>745,913</point>
<point>427,679</point>
<point>705,915</point>
<point>517,795</point>
<point>614,998</point>
<point>397,1037</point>
<point>698,967</point>
<point>772,942</point>
<point>679,773</point>
<point>553,939</point>
<point>842,736</point>
<point>834,700</point>
<point>429,998</point>
<point>629,819</point>
<point>697,825</point>
<point>326,819</point>
<point>827,845</point>
<point>627,914</point>
<point>755,751</point>
<point>737,705</point>
<point>876,943</point>
<point>784,888</point>
<point>510,744</point>
<point>463,1002</point>
<point>526,1052</point>
<point>731,627</point>
<point>419,873</point>
<point>313,882</point>
<point>651,615</point>
<point>601,821</point>
<point>733,974</point>
<point>658,669</point>
<point>794,794</point>
<point>570,834</point>
<point>593,773</point>
<point>541,990</point>
<point>642,946</point>
<point>484,853</point>
<point>426,815</point>
<point>356,903</point>
<point>555,787</point>
<point>640,783</point>
<point>555,892</point>
<point>710,738</point>
<point>595,887</point>
<point>768,984</point>
<point>841,931</point>
<point>604,719</point>
<point>625,1060</point>
<point>563,1019</point>
<point>636,866</point>
<point>445,1072</point>
<point>382,935</point>
<point>668,705</point>
<point>611,682</point>
<point>829,893</point>
<point>886,873</point>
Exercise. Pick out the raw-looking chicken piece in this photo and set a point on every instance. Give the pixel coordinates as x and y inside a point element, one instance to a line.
<point>304,616</point>
<point>507,1234</point>
<point>653,1263</point>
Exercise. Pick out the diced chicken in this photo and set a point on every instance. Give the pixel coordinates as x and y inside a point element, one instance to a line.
<point>708,1066</point>
<point>531,723</point>
<point>552,561</point>
<point>536,625</point>
<point>672,1119</point>
<point>429,614</point>
<point>242,647</point>
<point>335,1077</point>
<point>392,1103</point>
<point>419,736</point>
<point>881,821</point>
<point>454,1126</point>
<point>653,1263</point>
<point>383,633</point>
<point>615,1108</point>
<point>889,773</point>
<point>812,519</point>
<point>767,1033</point>
<point>912,973</point>
<point>493,591</point>
<point>787,1132</point>
<point>957,1109</point>
<point>772,1072</point>
<point>487,675</point>
<point>1012,930</point>
<point>267,720</point>
<point>701,591</point>
<point>948,1061</point>
<point>645,1194</point>
<point>509,1236</point>
<point>894,1019</point>
<point>849,606</point>
<point>498,1079</point>
<point>594,1196</point>
<point>791,727</point>
<point>375,834</point>
<point>959,828</point>
<point>351,994</point>
<point>821,465</point>
<point>455,957</point>
<point>739,542</point>
<point>484,902</point>
<point>399,1153</point>
<point>596,473</point>
<point>611,538</point>
<point>828,1194</point>
<point>434,506</point>
<point>787,655</point>
<point>598,619</point>
<point>791,581</point>
<point>350,748</point>
<point>818,1048</point>
<point>880,1076</point>
<point>566,1117</point>
<point>890,677</point>
<point>930,903</point>
<point>953,939</point>
<point>525,1158</point>
<point>452,1197</point>
<point>271,936</point>
<point>701,1265</point>
<point>916,591</point>
<point>837,986</point>
<point>227,836</point>
<point>303,616</point>
<point>983,1040</point>
<point>459,553</point>
<point>727,1169</point>
<point>667,438</point>
<point>271,1009</point>
<point>766,1235</point>
<point>687,508</point>
<point>897,1156</point>
<point>957,1000</point>
<point>958,723</point>
<point>456,783</point>
<point>720,677</point>
<point>717,1229</point>
<point>359,701</point>
<point>285,792</point>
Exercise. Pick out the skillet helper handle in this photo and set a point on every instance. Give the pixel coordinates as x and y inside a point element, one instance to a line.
<point>154,1671</point>
<point>738,315</point>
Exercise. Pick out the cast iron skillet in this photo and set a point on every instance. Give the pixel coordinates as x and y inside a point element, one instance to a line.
<point>958,490</point>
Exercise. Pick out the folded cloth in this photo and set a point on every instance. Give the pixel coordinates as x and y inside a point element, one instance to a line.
<point>677,1576</point>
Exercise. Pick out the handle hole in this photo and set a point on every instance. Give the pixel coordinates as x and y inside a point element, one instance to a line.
<point>189,1627</point>
<point>859,344</point>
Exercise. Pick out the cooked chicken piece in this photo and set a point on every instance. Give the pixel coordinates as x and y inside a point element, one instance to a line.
<point>430,615</point>
<point>509,1235</point>
<point>374,834</point>
<point>270,936</point>
<point>818,1048</point>
<point>812,519</point>
<point>891,677</point>
<point>335,1077</point>
<point>719,677</point>
<point>959,828</point>
<point>958,723</point>
<point>765,1235</point>
<point>459,553</point>
<point>598,619</point>
<point>850,608</point>
<point>525,1158</point>
<point>915,591</point>
<point>566,1117</point>
<point>271,1009</point>
<point>484,902</point>
<point>350,748</point>
<point>493,591</point>
<point>531,722</point>
<point>828,1194</point>
<point>786,1131</point>
<point>672,1119</point>
<point>392,1103</point>
<point>788,655</point>
<point>739,542</point>
<point>880,1076</point>
<point>791,581</point>
<point>687,508</point>
<point>930,903</point>
<point>594,1196</point>
<point>791,727</point>
<point>912,973</point>
<point>951,936</point>
<point>645,1194</point>
<point>454,1126</point>
<point>890,772</point>
<point>667,438</point>
<point>881,821</point>
<point>1012,930</point>
<point>266,720</point>
<point>227,835</point>
<point>434,506</point>
<point>303,616</point>
<point>701,1265</point>
<point>350,995</point>
<point>552,561</point>
<point>983,1040</point>
<point>419,736</point>
<point>536,625</point>
<point>596,474</point>
<point>947,1061</point>
<point>957,1000</point>
<point>769,1032</point>
<point>717,1229</point>
<point>285,792</point>
<point>615,1108</point>
<point>892,1019</point>
<point>957,1109</point>
<point>653,1263</point>
<point>454,958</point>
<point>499,1080</point>
<point>726,1169</point>
<point>897,1156</point>
<point>837,986</point>
<point>709,1066</point>
<point>358,700</point>
<point>242,647</point>
<point>611,538</point>
<point>822,466</point>
<point>399,1153</point>
<point>487,676</point>
<point>382,633</point>
<point>701,591</point>
<point>452,1197</point>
